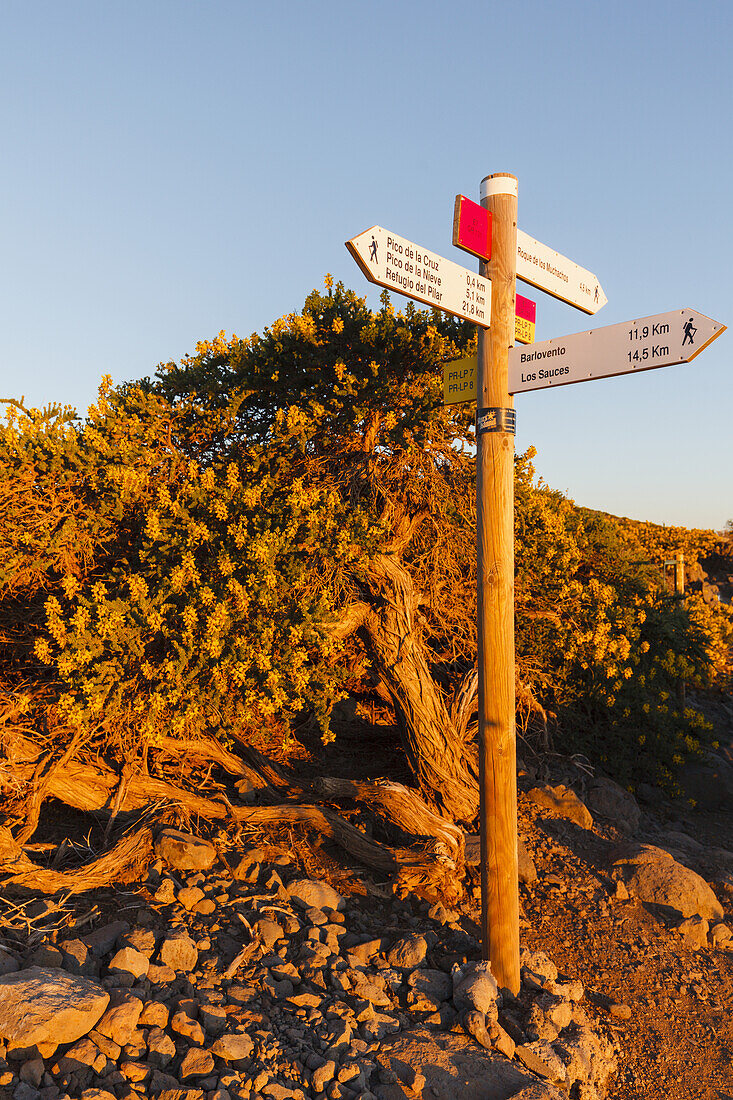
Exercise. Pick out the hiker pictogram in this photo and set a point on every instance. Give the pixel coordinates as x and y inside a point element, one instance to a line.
<point>373,250</point>
<point>689,331</point>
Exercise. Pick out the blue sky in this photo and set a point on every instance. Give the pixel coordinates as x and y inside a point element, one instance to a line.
<point>171,169</point>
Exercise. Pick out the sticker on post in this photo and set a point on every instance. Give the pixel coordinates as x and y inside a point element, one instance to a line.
<point>496,420</point>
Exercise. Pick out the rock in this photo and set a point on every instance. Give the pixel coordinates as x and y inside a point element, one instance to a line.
<point>269,932</point>
<point>720,935</point>
<point>10,965</point>
<point>620,1011</point>
<point>121,1019</point>
<point>196,1063</point>
<point>102,940</point>
<point>127,965</point>
<point>246,790</point>
<point>46,956</point>
<point>24,1091</point>
<point>161,1048</point>
<point>154,1014</point>
<point>653,876</point>
<point>454,1068</point>
<point>433,983</point>
<point>609,800</point>
<point>407,1074</point>
<point>564,802</point>
<point>548,1016</point>
<point>78,958</point>
<point>473,1023</point>
<point>370,989</point>
<point>311,893</point>
<point>184,1026</point>
<point>160,975</point>
<point>694,932</point>
<point>408,952</point>
<point>189,896</point>
<point>107,1046</point>
<point>474,986</point>
<point>179,952</point>
<point>160,1081</point>
<point>322,1076</point>
<point>588,1056</point>
<point>213,1019</point>
<point>526,865</point>
<point>47,1007</point>
<point>184,851</point>
<point>543,1060</point>
<point>166,892</point>
<point>32,1072</point>
<point>234,1049</point>
<point>538,963</point>
<point>142,939</point>
<point>375,1029</point>
<point>502,1041</point>
<point>441,915</point>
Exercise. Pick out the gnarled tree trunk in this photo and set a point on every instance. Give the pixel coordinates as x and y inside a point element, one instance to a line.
<point>445,768</point>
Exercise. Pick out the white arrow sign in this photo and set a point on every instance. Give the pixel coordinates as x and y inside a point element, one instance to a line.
<point>557,275</point>
<point>659,341</point>
<point>410,269</point>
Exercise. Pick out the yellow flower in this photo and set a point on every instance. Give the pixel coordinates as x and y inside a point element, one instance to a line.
<point>70,586</point>
<point>338,325</point>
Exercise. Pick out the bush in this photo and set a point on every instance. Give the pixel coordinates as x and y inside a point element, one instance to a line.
<point>184,559</point>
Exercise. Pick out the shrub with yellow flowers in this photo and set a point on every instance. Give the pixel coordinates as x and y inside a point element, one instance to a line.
<point>222,547</point>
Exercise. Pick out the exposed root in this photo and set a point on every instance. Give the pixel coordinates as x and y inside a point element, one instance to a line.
<point>433,868</point>
<point>130,856</point>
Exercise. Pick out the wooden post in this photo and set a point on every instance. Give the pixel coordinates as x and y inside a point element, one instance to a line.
<point>495,565</point>
<point>679,591</point>
<point>679,574</point>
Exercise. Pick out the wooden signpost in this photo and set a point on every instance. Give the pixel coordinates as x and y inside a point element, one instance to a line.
<point>499,371</point>
<point>495,425</point>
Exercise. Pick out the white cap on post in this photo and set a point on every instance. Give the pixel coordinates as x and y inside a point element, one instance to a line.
<point>498,185</point>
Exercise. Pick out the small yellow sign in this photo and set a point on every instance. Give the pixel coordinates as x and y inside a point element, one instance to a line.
<point>524,330</point>
<point>459,381</point>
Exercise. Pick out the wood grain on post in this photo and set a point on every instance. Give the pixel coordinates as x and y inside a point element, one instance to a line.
<point>495,564</point>
<point>679,574</point>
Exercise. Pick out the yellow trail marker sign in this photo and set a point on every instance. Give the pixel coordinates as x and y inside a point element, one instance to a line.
<point>459,381</point>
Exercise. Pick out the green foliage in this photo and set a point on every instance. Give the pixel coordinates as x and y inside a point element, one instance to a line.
<point>178,561</point>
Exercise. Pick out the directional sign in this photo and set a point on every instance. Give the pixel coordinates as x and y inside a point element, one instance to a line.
<point>472,228</point>
<point>410,269</point>
<point>659,341</point>
<point>557,275</point>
